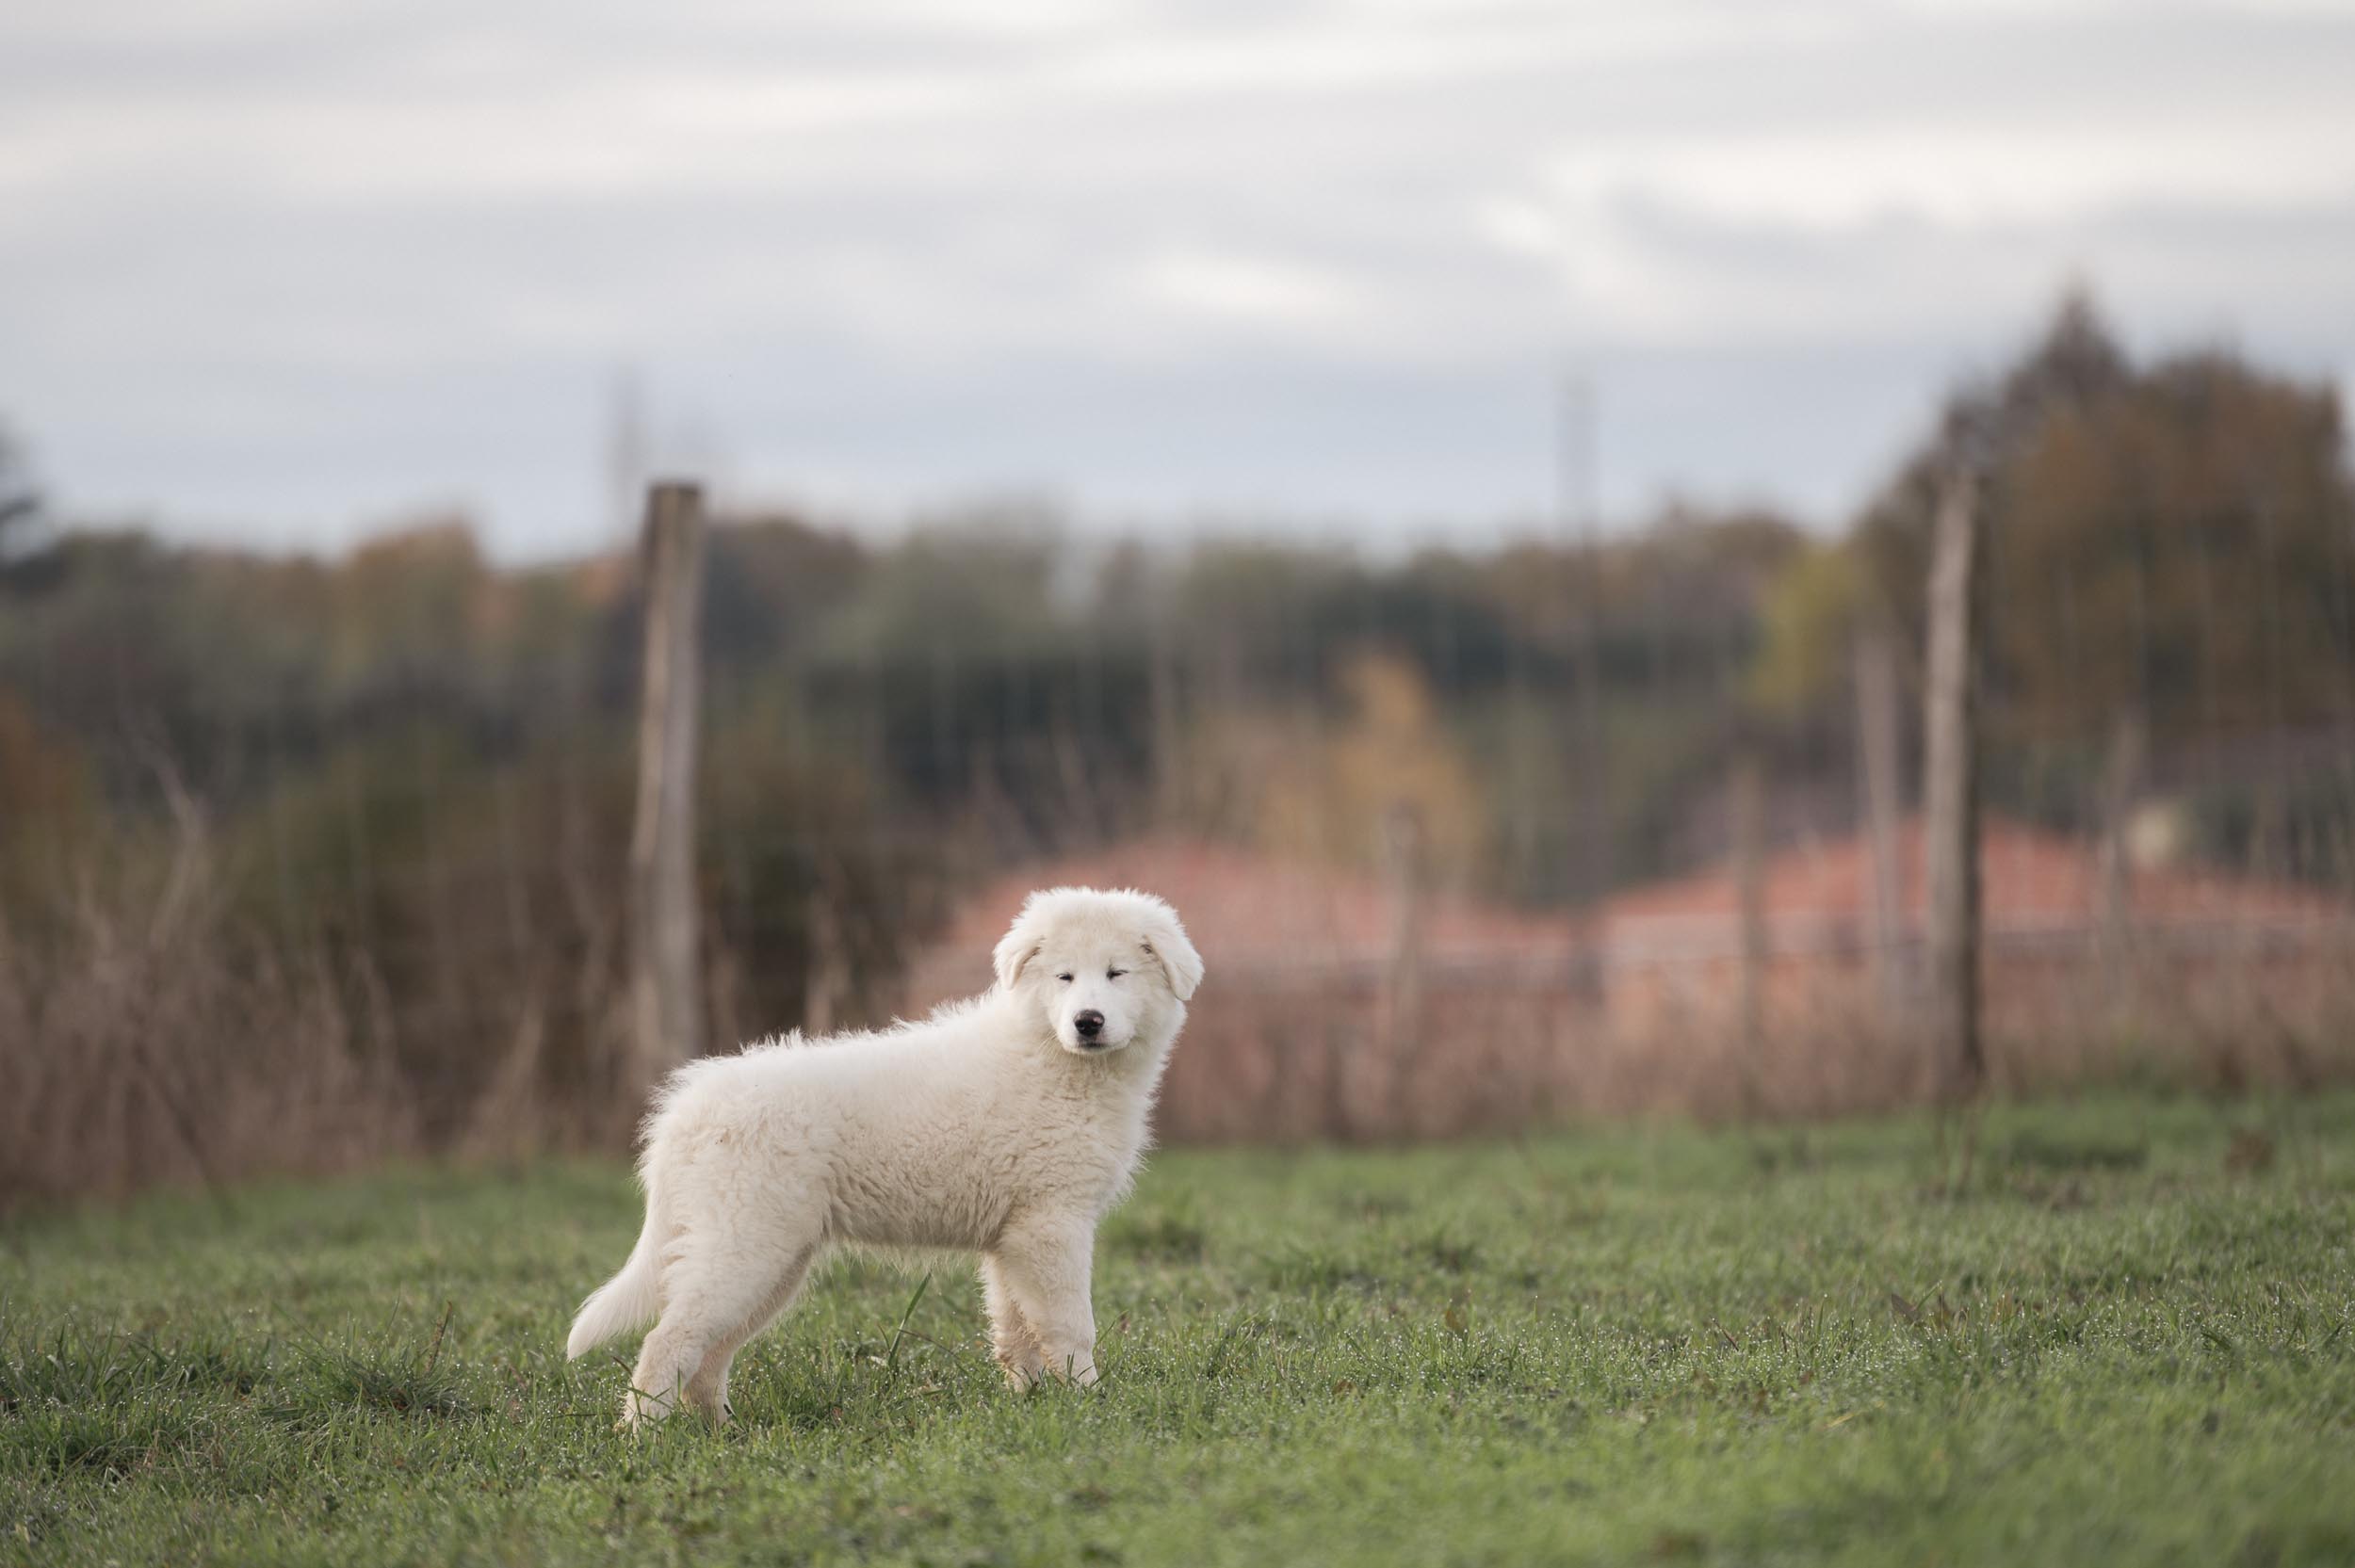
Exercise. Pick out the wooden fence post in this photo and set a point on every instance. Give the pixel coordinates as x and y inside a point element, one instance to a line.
<point>828,983</point>
<point>2121,779</point>
<point>1402,977</point>
<point>1162,675</point>
<point>1877,751</point>
<point>666,978</point>
<point>1950,789</point>
<point>1745,810</point>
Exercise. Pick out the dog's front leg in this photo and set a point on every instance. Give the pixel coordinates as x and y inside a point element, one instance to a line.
<point>1010,1332</point>
<point>1044,1270</point>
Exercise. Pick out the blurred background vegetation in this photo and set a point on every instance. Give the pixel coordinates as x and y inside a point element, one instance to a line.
<point>351,830</point>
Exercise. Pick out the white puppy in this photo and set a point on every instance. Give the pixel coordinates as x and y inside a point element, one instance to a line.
<point>1009,1124</point>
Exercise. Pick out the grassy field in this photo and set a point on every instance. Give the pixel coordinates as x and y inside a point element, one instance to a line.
<point>2125,1339</point>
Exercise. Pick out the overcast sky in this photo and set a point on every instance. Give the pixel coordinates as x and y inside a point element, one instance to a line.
<point>288,272</point>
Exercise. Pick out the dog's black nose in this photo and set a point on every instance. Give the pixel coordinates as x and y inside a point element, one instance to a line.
<point>1089,1023</point>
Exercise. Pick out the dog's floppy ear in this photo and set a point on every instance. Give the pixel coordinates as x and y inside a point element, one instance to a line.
<point>1020,946</point>
<point>1165,944</point>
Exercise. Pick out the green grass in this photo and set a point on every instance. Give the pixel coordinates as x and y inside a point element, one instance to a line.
<point>2127,1339</point>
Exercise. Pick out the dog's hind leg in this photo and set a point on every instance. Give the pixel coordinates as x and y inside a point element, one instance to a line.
<point>707,1390</point>
<point>721,1289</point>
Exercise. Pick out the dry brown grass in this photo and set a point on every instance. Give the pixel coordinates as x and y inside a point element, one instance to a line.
<point>143,1040</point>
<point>1268,1057</point>
<point>147,1036</point>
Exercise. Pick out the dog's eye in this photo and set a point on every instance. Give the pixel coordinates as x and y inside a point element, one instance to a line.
<point>1066,978</point>
<point>1115,974</point>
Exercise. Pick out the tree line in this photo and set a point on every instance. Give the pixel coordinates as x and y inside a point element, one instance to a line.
<point>410,764</point>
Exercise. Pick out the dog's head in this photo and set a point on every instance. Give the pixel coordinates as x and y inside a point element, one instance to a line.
<point>1107,968</point>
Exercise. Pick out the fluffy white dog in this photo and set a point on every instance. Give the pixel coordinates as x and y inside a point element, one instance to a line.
<point>1009,1124</point>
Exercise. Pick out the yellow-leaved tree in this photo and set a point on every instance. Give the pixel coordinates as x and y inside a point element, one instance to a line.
<point>1332,797</point>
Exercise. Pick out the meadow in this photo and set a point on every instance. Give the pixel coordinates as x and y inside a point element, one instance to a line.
<point>2121,1336</point>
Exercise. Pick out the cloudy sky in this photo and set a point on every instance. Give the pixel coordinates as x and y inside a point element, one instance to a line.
<point>289,271</point>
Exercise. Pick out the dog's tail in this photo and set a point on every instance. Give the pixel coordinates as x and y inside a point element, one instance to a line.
<point>629,1299</point>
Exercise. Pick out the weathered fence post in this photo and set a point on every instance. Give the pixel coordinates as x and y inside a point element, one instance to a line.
<point>828,983</point>
<point>666,982</point>
<point>2122,779</point>
<point>1950,789</point>
<point>1402,977</point>
<point>1162,675</point>
<point>1745,809</point>
<point>1877,751</point>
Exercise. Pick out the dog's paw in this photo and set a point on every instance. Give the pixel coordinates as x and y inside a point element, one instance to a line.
<point>1072,1370</point>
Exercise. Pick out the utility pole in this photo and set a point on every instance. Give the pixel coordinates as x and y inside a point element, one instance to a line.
<point>1579,510</point>
<point>626,450</point>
